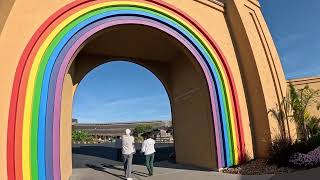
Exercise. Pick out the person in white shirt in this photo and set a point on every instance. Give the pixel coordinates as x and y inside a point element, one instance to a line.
<point>128,150</point>
<point>149,151</point>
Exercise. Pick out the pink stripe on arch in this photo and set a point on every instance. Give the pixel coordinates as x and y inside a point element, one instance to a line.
<point>71,54</point>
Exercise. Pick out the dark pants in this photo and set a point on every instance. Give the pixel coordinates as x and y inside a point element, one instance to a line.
<point>119,155</point>
<point>127,164</point>
<point>149,163</point>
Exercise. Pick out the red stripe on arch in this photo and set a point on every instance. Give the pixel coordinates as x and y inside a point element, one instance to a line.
<point>235,102</point>
<point>14,170</point>
<point>14,140</point>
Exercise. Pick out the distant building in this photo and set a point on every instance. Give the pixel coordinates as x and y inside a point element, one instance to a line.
<point>162,134</point>
<point>107,130</point>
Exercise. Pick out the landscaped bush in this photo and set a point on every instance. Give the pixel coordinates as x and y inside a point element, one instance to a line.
<point>313,125</point>
<point>138,139</point>
<point>309,160</point>
<point>305,151</point>
<point>303,154</point>
<point>307,146</point>
<point>143,128</point>
<point>280,151</point>
<point>81,136</point>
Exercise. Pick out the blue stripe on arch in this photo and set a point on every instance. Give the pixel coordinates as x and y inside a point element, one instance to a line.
<point>105,15</point>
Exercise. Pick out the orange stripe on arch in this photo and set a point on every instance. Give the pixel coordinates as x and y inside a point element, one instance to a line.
<point>21,76</point>
<point>15,119</point>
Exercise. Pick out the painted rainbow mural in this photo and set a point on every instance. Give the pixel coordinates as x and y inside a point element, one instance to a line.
<point>33,145</point>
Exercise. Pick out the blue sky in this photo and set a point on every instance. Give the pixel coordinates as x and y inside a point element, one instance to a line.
<point>123,92</point>
<point>295,28</point>
<point>120,92</point>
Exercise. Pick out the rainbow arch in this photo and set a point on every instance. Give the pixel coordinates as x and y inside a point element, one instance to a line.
<point>33,145</point>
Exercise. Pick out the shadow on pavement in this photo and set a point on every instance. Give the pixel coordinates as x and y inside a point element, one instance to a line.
<point>122,169</point>
<point>310,174</point>
<point>107,159</point>
<point>109,156</point>
<point>98,168</point>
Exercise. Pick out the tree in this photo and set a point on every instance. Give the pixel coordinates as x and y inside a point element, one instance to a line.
<point>313,125</point>
<point>281,114</point>
<point>301,100</point>
<point>81,136</point>
<point>143,128</point>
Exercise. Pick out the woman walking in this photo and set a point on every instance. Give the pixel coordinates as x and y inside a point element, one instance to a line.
<point>149,151</point>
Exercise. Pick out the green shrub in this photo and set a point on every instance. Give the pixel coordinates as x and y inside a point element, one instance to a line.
<point>282,149</point>
<point>140,129</point>
<point>81,136</point>
<point>301,100</point>
<point>139,139</point>
<point>313,125</point>
<point>306,146</point>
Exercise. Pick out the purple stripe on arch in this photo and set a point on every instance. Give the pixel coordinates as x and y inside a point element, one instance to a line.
<point>50,106</point>
<point>69,53</point>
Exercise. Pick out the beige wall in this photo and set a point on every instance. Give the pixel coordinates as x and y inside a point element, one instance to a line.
<point>65,128</point>
<point>192,118</point>
<point>260,66</point>
<point>237,26</point>
<point>25,17</point>
<point>5,8</point>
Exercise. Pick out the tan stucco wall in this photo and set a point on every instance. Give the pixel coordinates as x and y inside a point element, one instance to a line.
<point>232,26</point>
<point>66,127</point>
<point>213,18</point>
<point>5,8</point>
<point>261,69</point>
<point>192,118</point>
<point>25,17</point>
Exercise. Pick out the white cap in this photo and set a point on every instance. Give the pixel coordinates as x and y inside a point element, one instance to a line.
<point>128,131</point>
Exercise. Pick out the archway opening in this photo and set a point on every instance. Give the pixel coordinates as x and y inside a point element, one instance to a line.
<point>113,97</point>
<point>175,67</point>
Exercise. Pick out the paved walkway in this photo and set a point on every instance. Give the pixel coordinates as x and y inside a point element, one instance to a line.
<point>163,171</point>
<point>168,171</point>
<point>95,163</point>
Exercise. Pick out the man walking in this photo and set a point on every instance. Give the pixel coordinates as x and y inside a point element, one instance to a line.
<point>128,150</point>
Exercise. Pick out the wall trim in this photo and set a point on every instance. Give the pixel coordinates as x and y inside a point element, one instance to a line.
<point>212,4</point>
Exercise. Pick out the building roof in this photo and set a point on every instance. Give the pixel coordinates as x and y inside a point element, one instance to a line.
<point>303,81</point>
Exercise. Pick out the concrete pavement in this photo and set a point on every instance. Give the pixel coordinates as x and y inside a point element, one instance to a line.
<point>163,171</point>
<point>98,163</point>
<point>168,171</point>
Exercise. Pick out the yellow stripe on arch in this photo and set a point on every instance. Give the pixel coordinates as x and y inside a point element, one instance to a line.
<point>35,66</point>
